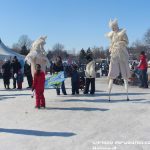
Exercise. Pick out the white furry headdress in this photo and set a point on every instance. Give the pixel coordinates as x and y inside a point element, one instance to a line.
<point>43,37</point>
<point>113,23</point>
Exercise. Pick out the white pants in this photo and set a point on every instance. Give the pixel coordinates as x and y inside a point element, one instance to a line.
<point>116,67</point>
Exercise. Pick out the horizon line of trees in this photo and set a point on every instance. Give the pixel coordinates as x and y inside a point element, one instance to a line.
<point>24,43</point>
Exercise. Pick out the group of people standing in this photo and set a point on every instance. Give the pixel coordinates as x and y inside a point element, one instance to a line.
<point>39,80</point>
<point>14,69</point>
<point>90,75</point>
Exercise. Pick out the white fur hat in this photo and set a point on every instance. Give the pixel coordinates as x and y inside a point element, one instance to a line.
<point>43,37</point>
<point>113,23</point>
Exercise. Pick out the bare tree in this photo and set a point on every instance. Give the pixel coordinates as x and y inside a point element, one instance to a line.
<point>137,47</point>
<point>24,40</point>
<point>147,38</point>
<point>57,50</point>
<point>98,52</point>
<point>58,47</point>
<point>147,43</point>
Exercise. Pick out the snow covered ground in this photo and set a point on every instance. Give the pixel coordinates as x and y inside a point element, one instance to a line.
<point>81,122</point>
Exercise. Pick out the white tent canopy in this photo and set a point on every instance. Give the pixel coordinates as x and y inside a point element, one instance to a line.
<point>7,53</point>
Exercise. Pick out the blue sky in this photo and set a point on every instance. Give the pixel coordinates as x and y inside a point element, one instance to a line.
<point>74,23</point>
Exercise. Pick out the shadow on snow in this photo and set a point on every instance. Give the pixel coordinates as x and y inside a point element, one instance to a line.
<point>5,98</point>
<point>36,132</point>
<point>103,100</point>
<point>77,109</point>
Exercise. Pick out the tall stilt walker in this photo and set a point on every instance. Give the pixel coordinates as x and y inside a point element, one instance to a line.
<point>37,55</point>
<point>119,62</point>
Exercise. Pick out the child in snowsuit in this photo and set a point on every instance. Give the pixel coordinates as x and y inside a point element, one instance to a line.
<point>75,80</point>
<point>19,79</point>
<point>38,86</point>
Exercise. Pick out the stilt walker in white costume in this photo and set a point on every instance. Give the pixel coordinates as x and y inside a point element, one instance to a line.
<point>37,55</point>
<point>119,55</point>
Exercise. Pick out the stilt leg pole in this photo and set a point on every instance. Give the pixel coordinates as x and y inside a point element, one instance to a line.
<point>126,88</point>
<point>110,87</point>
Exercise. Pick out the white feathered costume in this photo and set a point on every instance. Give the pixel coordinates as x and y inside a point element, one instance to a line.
<point>37,55</point>
<point>118,52</point>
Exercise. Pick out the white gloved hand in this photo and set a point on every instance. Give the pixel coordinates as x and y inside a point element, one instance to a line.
<point>15,75</point>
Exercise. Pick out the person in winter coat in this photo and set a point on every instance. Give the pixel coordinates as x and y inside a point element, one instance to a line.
<point>38,86</point>
<point>57,67</point>
<point>6,73</point>
<point>143,70</point>
<point>90,76</point>
<point>75,80</point>
<point>27,72</point>
<point>16,66</point>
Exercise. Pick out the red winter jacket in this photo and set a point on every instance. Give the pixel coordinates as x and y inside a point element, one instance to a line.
<point>143,62</point>
<point>39,81</point>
